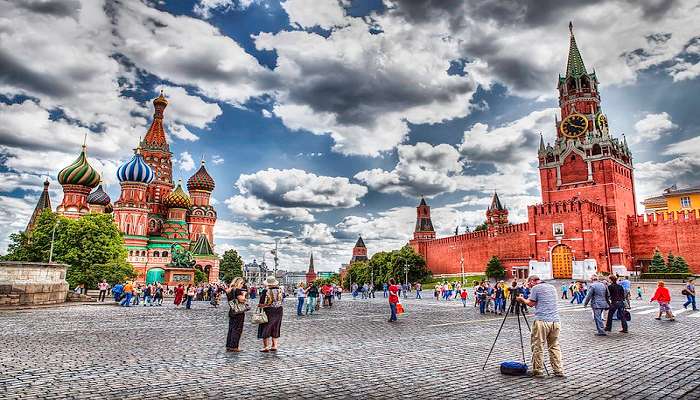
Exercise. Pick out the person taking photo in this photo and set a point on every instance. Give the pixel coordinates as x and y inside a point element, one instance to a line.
<point>545,328</point>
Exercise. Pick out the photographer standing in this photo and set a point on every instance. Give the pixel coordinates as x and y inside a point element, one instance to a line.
<point>545,328</point>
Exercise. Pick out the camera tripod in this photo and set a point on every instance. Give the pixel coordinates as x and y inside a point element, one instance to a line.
<point>519,310</point>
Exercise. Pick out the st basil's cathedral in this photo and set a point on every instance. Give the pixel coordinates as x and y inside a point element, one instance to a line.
<point>155,216</point>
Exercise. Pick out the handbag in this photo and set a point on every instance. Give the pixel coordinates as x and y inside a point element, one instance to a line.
<point>627,315</point>
<point>236,307</point>
<point>259,317</point>
<point>399,308</point>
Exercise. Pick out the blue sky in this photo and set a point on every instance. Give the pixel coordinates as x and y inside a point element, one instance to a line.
<point>325,119</point>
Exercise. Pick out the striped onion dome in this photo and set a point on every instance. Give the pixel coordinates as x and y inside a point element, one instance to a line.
<point>79,173</point>
<point>135,170</point>
<point>201,180</point>
<point>99,197</point>
<point>177,198</point>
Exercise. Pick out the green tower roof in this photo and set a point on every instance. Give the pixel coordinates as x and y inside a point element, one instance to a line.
<point>574,65</point>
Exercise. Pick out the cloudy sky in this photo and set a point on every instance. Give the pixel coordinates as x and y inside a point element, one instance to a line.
<point>325,119</point>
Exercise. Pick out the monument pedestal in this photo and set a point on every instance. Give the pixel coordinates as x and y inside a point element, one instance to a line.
<point>31,283</point>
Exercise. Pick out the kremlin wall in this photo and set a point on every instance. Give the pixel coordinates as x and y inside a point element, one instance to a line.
<point>587,221</point>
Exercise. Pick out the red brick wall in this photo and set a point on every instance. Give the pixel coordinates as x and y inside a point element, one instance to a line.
<point>677,233</point>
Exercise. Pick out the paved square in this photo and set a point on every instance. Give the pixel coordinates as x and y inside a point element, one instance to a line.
<point>436,350</point>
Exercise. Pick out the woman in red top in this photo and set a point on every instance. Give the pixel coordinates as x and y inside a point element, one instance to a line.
<point>663,296</point>
<point>393,298</point>
<point>179,293</point>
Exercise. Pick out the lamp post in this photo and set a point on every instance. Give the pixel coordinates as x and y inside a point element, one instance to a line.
<point>405,270</point>
<point>276,259</point>
<point>53,236</point>
<point>461,265</point>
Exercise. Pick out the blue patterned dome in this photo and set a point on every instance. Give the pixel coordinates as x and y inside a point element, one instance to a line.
<point>136,170</point>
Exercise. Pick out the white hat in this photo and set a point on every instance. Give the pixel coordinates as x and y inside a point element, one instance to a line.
<point>271,281</point>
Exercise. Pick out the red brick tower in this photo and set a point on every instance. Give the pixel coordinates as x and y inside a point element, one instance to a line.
<point>131,210</point>
<point>359,252</point>
<point>586,162</point>
<point>424,225</point>
<point>156,152</point>
<point>496,214</point>
<point>311,274</point>
<point>202,215</point>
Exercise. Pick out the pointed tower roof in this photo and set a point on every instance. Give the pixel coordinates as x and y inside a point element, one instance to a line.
<point>496,203</point>
<point>360,242</point>
<point>80,172</point>
<point>311,263</point>
<point>422,201</point>
<point>155,137</point>
<point>542,148</point>
<point>201,180</point>
<point>202,247</point>
<point>574,65</point>
<point>44,203</point>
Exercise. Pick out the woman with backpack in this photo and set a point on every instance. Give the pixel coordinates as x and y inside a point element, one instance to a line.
<point>271,299</point>
<point>235,293</point>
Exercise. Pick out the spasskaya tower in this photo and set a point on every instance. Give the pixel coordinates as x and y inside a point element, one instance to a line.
<point>585,161</point>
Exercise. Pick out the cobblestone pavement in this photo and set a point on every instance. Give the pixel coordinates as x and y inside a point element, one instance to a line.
<point>436,350</point>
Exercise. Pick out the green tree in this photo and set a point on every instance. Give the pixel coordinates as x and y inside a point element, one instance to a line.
<point>670,262</point>
<point>231,266</point>
<point>333,279</point>
<point>200,276</point>
<point>679,265</point>
<point>481,227</point>
<point>389,264</point>
<point>357,272</point>
<point>657,263</point>
<point>92,246</point>
<point>494,269</point>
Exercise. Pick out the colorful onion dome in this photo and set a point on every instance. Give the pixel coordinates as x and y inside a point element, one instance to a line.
<point>99,197</point>
<point>201,180</point>
<point>135,170</point>
<point>79,173</point>
<point>177,198</point>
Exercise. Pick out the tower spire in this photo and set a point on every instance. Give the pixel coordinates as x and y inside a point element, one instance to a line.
<point>574,65</point>
<point>44,203</point>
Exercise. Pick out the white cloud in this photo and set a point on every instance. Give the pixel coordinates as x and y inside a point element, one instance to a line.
<point>204,8</point>
<point>652,127</point>
<point>226,230</point>
<point>317,234</point>
<point>310,13</point>
<point>185,161</point>
<point>422,169</point>
<point>255,209</point>
<point>14,216</point>
<point>181,132</point>
<point>298,188</point>
<point>217,159</point>
<point>186,109</point>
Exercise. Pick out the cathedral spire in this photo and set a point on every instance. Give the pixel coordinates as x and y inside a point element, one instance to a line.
<point>155,137</point>
<point>574,65</point>
<point>542,148</point>
<point>44,203</point>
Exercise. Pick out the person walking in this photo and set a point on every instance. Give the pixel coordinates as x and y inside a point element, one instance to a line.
<point>545,327</point>
<point>482,294</point>
<point>639,293</point>
<point>271,301</point>
<point>616,298</point>
<point>419,287</point>
<point>463,296</point>
<point>236,292</point>
<point>103,286</point>
<point>564,291</point>
<point>500,298</point>
<point>128,292</point>
<point>385,288</point>
<point>393,298</point>
<point>311,298</point>
<point>663,297</point>
<point>191,292</point>
<point>301,296</point>
<point>179,293</point>
<point>689,293</point>
<point>158,297</point>
<point>597,296</point>
<point>147,296</point>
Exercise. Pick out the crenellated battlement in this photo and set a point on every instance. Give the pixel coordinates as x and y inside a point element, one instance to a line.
<point>665,218</point>
<point>567,206</point>
<point>522,227</point>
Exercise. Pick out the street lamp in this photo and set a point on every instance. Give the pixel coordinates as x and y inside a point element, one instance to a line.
<point>276,259</point>
<point>53,236</point>
<point>405,270</point>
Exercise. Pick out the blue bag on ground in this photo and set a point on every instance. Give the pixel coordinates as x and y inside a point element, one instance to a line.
<point>513,368</point>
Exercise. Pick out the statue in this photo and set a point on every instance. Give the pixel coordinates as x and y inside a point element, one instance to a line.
<point>181,258</point>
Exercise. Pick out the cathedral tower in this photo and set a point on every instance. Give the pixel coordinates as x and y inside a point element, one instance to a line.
<point>311,273</point>
<point>44,203</point>
<point>131,210</point>
<point>178,204</point>
<point>585,161</point>
<point>156,153</point>
<point>77,181</point>
<point>202,216</point>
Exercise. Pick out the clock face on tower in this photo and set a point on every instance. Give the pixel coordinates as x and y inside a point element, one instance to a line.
<point>574,126</point>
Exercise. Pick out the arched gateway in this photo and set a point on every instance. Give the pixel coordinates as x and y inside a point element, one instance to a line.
<point>562,262</point>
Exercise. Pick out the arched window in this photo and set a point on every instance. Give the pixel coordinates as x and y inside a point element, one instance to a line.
<point>165,254</point>
<point>571,84</point>
<point>585,83</point>
<point>156,253</point>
